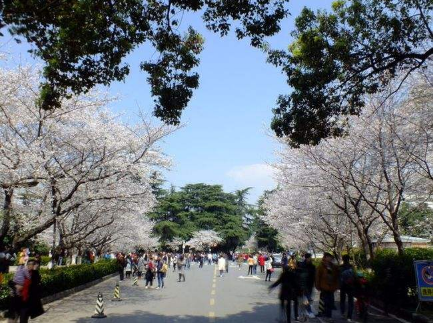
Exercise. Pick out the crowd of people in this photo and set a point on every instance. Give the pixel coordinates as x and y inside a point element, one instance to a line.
<point>299,279</point>
<point>154,266</point>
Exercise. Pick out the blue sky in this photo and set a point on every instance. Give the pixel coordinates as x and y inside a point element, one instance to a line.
<point>226,138</point>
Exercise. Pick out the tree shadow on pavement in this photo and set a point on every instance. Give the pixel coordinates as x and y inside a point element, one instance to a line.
<point>261,313</point>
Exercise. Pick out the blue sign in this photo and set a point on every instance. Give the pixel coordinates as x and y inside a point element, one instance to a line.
<point>424,278</point>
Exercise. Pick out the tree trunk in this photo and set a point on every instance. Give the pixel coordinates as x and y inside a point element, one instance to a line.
<point>396,232</point>
<point>7,215</point>
<point>398,242</point>
<point>370,254</point>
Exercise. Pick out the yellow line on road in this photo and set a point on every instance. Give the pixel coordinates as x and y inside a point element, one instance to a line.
<point>211,317</point>
<point>212,300</point>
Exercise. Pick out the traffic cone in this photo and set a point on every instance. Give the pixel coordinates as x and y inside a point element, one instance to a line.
<point>135,281</point>
<point>117,293</point>
<point>99,309</point>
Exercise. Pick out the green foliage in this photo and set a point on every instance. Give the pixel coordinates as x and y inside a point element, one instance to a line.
<point>63,278</point>
<point>394,276</point>
<point>337,58</point>
<point>267,237</point>
<point>359,258</point>
<point>83,42</point>
<point>45,260</point>
<point>200,207</point>
<point>416,220</point>
<point>41,248</point>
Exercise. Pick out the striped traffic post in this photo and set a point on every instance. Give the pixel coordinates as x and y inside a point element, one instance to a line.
<point>99,309</point>
<point>135,281</point>
<point>117,293</point>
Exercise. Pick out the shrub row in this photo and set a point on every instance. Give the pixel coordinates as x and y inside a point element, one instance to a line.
<point>63,278</point>
<point>394,279</point>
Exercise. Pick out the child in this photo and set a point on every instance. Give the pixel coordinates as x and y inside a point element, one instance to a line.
<point>362,294</point>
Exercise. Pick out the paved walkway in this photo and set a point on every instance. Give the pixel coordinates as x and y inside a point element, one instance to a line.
<point>204,297</point>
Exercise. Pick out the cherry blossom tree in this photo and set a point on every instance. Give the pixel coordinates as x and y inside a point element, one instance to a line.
<point>175,244</point>
<point>251,243</point>
<point>77,170</point>
<point>301,211</point>
<point>204,239</point>
<point>355,185</point>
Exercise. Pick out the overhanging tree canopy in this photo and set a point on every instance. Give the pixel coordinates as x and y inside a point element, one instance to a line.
<point>83,42</point>
<point>337,58</point>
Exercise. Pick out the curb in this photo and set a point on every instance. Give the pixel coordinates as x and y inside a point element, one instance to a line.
<point>66,293</point>
<point>69,292</point>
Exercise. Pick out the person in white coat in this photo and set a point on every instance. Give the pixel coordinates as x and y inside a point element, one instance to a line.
<point>269,269</point>
<point>221,264</point>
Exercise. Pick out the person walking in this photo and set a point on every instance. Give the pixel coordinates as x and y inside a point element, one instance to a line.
<point>284,260</point>
<point>289,291</point>
<point>327,283</point>
<point>221,264</point>
<point>240,261</point>
<point>150,269</point>
<point>141,266</point>
<point>181,268</point>
<point>128,268</point>
<point>169,260</point>
<point>307,274</point>
<point>347,284</point>
<point>255,259</point>
<point>261,261</point>
<point>269,269</point>
<point>201,261</point>
<point>175,258</point>
<point>19,306</point>
<point>250,262</point>
<point>161,270</point>
<point>121,265</point>
<point>226,257</point>
<point>35,293</point>
<point>187,261</point>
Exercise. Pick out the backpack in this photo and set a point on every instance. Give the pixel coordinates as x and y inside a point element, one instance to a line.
<point>164,268</point>
<point>348,277</point>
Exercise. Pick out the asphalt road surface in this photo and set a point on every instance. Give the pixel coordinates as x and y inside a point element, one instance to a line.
<point>204,297</point>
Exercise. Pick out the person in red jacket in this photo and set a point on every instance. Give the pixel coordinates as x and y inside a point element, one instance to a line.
<point>261,261</point>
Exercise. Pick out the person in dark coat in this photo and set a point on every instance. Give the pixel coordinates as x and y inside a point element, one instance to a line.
<point>347,284</point>
<point>307,275</point>
<point>289,291</point>
<point>284,260</point>
<point>121,264</point>
<point>35,293</point>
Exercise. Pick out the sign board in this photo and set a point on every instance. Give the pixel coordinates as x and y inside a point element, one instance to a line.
<point>424,279</point>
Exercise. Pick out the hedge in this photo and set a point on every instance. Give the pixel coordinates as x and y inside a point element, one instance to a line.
<point>394,275</point>
<point>63,278</point>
